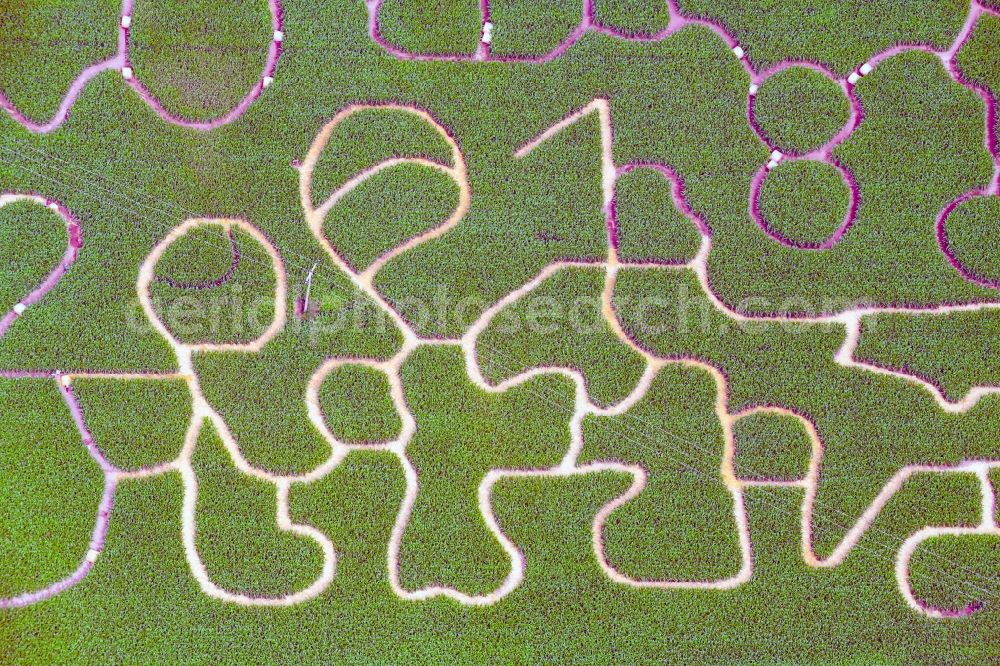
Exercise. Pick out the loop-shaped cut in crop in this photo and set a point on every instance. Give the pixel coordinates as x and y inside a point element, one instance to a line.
<point>969,234</point>
<point>186,319</point>
<point>374,158</point>
<point>804,204</point>
<point>799,109</point>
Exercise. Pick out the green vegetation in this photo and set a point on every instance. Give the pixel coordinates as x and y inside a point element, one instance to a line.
<point>841,34</point>
<point>995,477</point>
<point>805,201</point>
<point>244,169</point>
<point>136,423</point>
<point>974,558</point>
<point>561,324</point>
<point>871,425</point>
<point>650,226</point>
<point>262,396</point>
<point>238,539</point>
<point>633,17</point>
<point>49,488</point>
<point>891,254</point>
<point>200,57</point>
<point>556,193</point>
<point>238,310</point>
<point>204,254</point>
<point>771,446</point>
<point>432,26</point>
<point>463,434</point>
<point>973,230</point>
<point>32,243</point>
<point>357,405</point>
<point>979,60</point>
<point>45,45</point>
<point>799,109</point>
<point>531,27</point>
<point>389,209</point>
<point>952,351</point>
<point>774,522</point>
<point>142,602</point>
<point>681,526</point>
<point>369,136</point>
<point>713,148</point>
<point>131,177</point>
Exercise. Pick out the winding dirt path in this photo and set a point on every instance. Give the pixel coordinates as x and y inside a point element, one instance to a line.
<point>678,21</point>
<point>203,411</point>
<point>74,242</point>
<point>120,62</point>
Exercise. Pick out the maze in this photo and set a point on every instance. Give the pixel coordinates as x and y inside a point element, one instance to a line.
<point>120,62</point>
<point>468,409</point>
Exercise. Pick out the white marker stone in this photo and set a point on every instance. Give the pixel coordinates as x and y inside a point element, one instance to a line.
<point>126,21</point>
<point>53,206</point>
<point>771,164</point>
<point>20,308</point>
<point>776,155</point>
<point>487,33</point>
<point>64,380</point>
<point>754,88</point>
<point>268,80</point>
<point>127,72</point>
<point>866,69</point>
<point>92,555</point>
<point>853,78</point>
<point>278,35</point>
<point>738,50</point>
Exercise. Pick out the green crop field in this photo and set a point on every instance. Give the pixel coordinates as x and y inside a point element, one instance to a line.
<point>500,332</point>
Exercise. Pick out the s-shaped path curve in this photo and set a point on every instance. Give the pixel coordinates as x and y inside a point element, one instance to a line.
<point>120,61</point>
